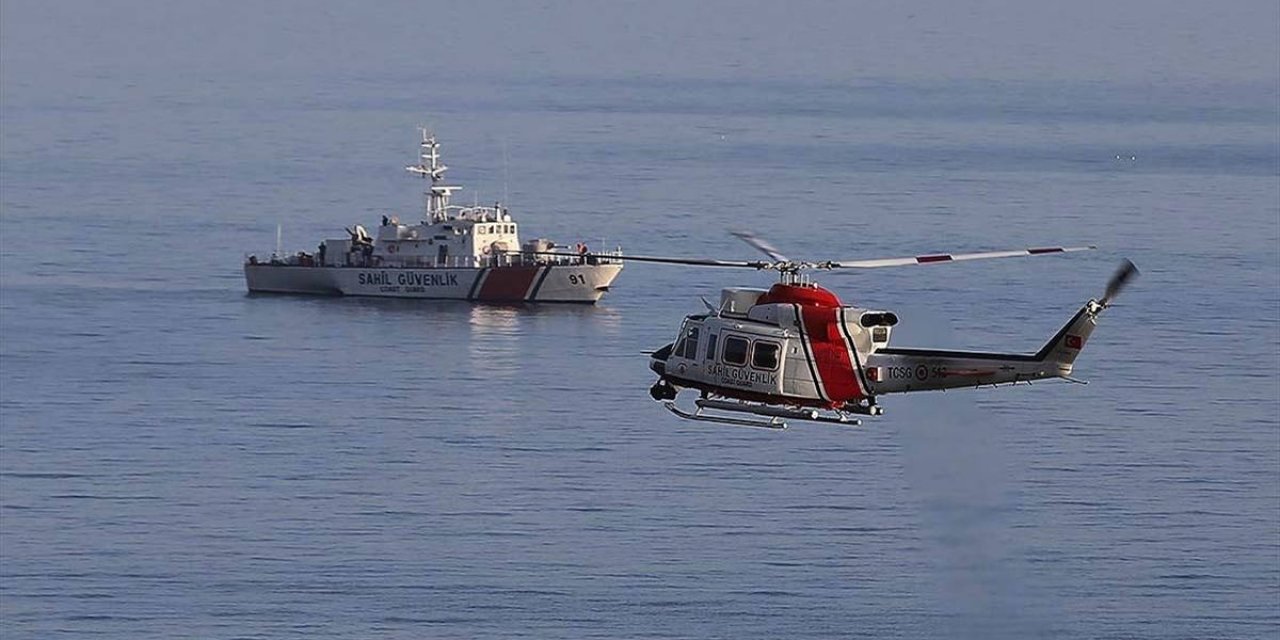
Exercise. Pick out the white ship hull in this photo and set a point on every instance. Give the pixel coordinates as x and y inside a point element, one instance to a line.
<point>581,283</point>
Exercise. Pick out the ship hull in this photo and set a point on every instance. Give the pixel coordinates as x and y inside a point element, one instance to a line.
<point>579,283</point>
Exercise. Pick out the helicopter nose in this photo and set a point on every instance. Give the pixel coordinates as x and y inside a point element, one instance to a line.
<point>658,359</point>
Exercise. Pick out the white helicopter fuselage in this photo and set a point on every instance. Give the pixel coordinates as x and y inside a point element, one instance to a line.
<point>796,345</point>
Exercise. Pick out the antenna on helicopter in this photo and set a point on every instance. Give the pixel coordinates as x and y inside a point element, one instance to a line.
<point>711,308</point>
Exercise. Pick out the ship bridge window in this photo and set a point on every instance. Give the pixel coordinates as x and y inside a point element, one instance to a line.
<point>735,350</point>
<point>765,355</point>
<point>711,347</point>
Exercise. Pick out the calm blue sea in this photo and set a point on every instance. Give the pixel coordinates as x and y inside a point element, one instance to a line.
<point>181,459</point>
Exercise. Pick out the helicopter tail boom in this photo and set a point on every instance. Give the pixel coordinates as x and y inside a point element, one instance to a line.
<point>901,370</point>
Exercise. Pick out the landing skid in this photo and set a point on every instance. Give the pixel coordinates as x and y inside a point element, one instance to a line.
<point>697,414</point>
<point>777,416</point>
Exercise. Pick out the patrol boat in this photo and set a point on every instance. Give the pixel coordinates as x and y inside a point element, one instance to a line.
<point>455,253</point>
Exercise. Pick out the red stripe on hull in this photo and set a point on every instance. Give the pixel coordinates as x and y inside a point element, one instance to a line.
<point>507,284</point>
<point>830,354</point>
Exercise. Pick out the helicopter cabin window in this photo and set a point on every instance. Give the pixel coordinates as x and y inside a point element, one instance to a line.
<point>735,350</point>
<point>711,347</point>
<point>765,355</point>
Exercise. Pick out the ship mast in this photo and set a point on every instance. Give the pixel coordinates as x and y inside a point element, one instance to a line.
<point>430,166</point>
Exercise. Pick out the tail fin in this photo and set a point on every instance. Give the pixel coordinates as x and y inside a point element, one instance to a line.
<point>1065,345</point>
<point>1063,348</point>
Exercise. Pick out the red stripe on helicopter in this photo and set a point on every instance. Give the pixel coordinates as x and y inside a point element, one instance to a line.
<point>830,354</point>
<point>937,258</point>
<point>1036,252</point>
<point>507,284</point>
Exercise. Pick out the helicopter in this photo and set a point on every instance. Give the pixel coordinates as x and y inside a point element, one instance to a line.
<point>796,352</point>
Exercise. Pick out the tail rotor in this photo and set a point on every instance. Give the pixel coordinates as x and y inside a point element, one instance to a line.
<point>1121,279</point>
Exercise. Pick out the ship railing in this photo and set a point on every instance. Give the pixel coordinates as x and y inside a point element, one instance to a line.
<point>514,259</point>
<point>524,259</point>
<point>608,257</point>
<point>299,259</point>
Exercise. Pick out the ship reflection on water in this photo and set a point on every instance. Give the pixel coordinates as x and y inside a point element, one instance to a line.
<point>451,338</point>
<point>497,346</point>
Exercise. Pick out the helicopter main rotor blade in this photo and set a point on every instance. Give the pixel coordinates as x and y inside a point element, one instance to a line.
<point>761,245</point>
<point>697,262</point>
<point>949,257</point>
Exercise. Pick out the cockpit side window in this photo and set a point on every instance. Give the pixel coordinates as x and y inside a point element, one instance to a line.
<point>711,347</point>
<point>687,345</point>
<point>691,343</point>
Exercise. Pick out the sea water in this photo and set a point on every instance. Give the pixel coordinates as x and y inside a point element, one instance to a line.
<point>179,458</point>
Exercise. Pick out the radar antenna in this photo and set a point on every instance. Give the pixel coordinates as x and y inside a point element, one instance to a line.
<point>430,166</point>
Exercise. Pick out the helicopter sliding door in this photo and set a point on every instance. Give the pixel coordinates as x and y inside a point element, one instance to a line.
<point>747,363</point>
